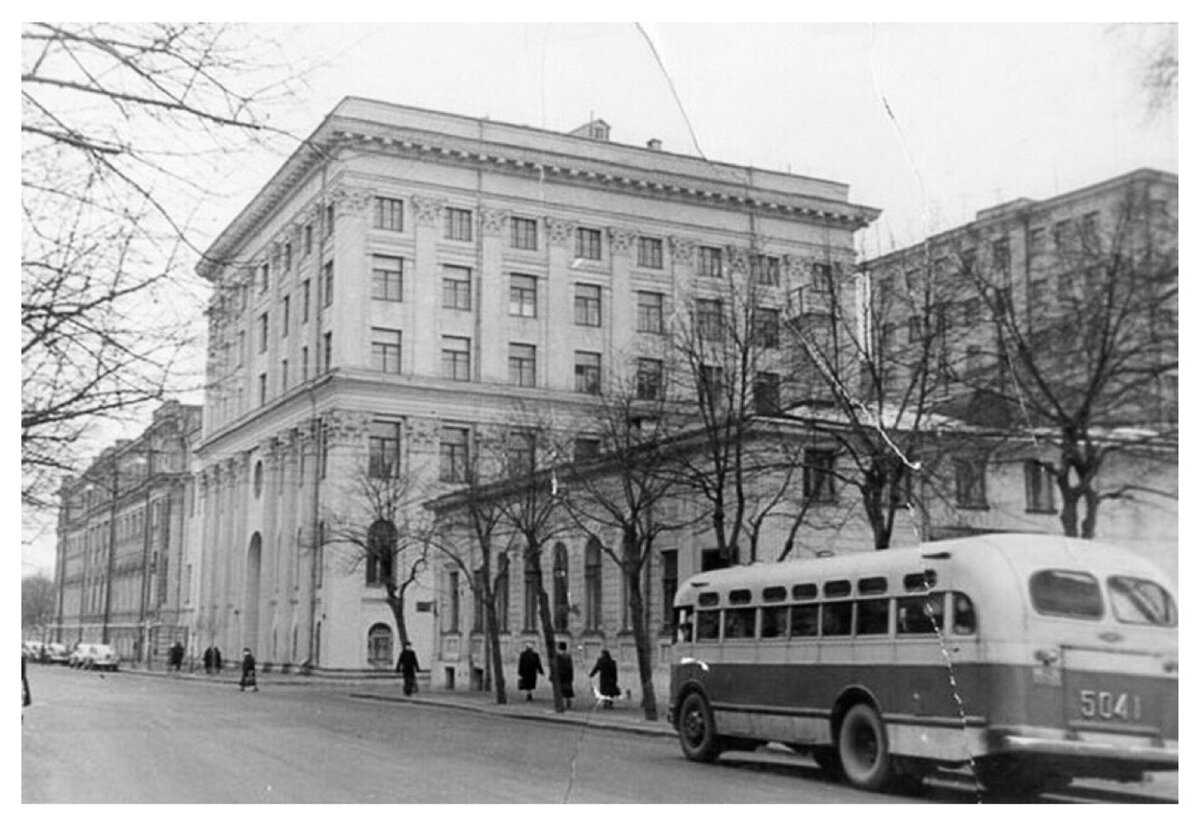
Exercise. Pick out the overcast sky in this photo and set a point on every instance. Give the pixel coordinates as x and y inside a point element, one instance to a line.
<point>979,113</point>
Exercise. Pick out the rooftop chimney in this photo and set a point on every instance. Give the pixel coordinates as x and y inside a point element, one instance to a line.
<point>654,144</point>
<point>596,129</point>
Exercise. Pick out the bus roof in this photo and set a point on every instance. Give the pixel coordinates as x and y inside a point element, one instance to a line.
<point>1031,550</point>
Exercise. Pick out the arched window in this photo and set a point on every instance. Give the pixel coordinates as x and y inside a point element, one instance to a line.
<point>502,593</point>
<point>592,584</point>
<point>381,545</point>
<point>562,602</point>
<point>379,646</point>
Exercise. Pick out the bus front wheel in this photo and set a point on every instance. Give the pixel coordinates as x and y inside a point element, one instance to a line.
<point>863,748</point>
<point>697,734</point>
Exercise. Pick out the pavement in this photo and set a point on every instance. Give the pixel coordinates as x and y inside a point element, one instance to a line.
<point>586,711</point>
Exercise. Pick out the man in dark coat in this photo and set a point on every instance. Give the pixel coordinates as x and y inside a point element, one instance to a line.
<point>177,656</point>
<point>208,660</point>
<point>566,674</point>
<point>606,667</point>
<point>249,675</point>
<point>529,666</point>
<point>407,667</point>
<point>217,659</point>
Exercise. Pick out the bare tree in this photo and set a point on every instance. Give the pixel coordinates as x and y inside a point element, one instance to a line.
<point>729,368</point>
<point>627,489</point>
<point>1087,363</point>
<point>117,120</point>
<point>37,602</point>
<point>385,533</point>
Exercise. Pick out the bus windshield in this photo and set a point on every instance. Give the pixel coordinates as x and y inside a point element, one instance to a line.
<point>1136,600</point>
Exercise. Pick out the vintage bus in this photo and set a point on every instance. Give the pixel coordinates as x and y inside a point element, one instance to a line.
<point>1028,659</point>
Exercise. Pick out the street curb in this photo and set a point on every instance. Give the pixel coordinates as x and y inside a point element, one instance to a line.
<point>533,716</point>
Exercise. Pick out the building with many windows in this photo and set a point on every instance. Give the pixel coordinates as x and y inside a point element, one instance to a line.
<point>125,565</point>
<point>410,283</point>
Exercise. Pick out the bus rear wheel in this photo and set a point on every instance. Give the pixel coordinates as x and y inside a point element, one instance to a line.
<point>697,733</point>
<point>863,748</point>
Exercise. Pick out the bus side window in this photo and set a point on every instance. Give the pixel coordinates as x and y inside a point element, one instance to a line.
<point>683,632</point>
<point>920,615</point>
<point>805,618</point>
<point>708,624</point>
<point>836,618</point>
<point>774,621</point>
<point>873,617</point>
<point>964,615</point>
<point>739,623</point>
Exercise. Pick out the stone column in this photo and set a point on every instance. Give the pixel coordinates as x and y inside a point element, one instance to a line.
<point>351,280</point>
<point>620,310</point>
<point>490,348</point>
<point>426,284</point>
<point>556,361</point>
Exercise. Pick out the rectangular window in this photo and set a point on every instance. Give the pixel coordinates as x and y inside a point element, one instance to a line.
<point>328,285</point>
<point>522,295</point>
<point>649,378</point>
<point>385,350</point>
<point>283,376</point>
<point>766,393</point>
<point>304,363</point>
<point>329,220</point>
<point>308,239</point>
<point>387,278</point>
<point>452,455</point>
<point>456,288</point>
<point>587,305</point>
<point>806,621</point>
<point>916,329</point>
<point>819,466</point>
<point>389,214</point>
<point>587,372</point>
<point>766,328</point>
<point>710,262</point>
<point>821,280</point>
<point>520,452</point>
<point>920,615</point>
<point>650,253</point>
<point>524,233</point>
<point>872,617</point>
<point>650,312</point>
<point>711,385</point>
<point>764,270</point>
<point>383,447</point>
<point>262,389</point>
<point>328,353</point>
<point>1001,255</point>
<point>264,277</point>
<point>305,300</point>
<point>263,332</point>
<point>585,447</point>
<point>1039,487</point>
<point>456,358</point>
<point>1062,234</point>
<point>458,224</point>
<point>1037,242</point>
<point>522,365</point>
<point>670,585</point>
<point>969,483</point>
<point>836,618</point>
<point>287,257</point>
<point>587,243</point>
<point>452,596</point>
<point>710,319</point>
<point>1091,231</point>
<point>287,315</point>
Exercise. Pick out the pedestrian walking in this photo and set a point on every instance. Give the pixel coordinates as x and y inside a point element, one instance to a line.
<point>566,674</point>
<point>208,660</point>
<point>26,697</point>
<point>407,668</point>
<point>217,659</point>
<point>529,666</point>
<point>606,667</point>
<point>249,676</point>
<point>176,656</point>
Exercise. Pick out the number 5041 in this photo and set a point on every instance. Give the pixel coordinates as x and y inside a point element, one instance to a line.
<point>1104,705</point>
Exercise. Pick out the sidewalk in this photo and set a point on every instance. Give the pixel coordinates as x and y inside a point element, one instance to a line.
<point>624,716</point>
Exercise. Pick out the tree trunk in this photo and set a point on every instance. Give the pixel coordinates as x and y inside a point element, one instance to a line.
<point>395,599</point>
<point>533,556</point>
<point>641,640</point>
<point>493,636</point>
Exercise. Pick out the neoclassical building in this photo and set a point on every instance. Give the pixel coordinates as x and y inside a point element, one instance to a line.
<point>410,283</point>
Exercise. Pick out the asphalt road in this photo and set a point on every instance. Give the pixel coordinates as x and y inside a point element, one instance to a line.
<point>118,738</point>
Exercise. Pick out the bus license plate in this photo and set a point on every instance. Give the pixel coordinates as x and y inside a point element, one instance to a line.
<point>1109,706</point>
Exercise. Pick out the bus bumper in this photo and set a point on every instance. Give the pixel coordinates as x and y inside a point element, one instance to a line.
<point>1142,755</point>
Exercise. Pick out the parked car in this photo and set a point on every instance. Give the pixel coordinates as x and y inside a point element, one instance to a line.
<point>55,653</point>
<point>31,649</point>
<point>94,656</point>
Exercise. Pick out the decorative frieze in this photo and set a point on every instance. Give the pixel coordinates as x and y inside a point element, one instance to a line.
<point>683,251</point>
<point>494,221</point>
<point>621,240</point>
<point>423,433</point>
<point>352,200</point>
<point>345,426</point>
<point>428,210</point>
<point>738,260</point>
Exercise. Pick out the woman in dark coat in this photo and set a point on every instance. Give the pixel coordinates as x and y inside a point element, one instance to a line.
<point>529,666</point>
<point>249,674</point>
<point>566,674</point>
<point>606,667</point>
<point>407,667</point>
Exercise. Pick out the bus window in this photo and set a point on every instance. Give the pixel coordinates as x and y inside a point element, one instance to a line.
<point>872,586</point>
<point>739,624</point>
<point>837,589</point>
<point>683,629</point>
<point>804,620</point>
<point>777,593</point>
<point>836,618</point>
<point>920,616</point>
<point>708,625</point>
<point>774,621</point>
<point>920,581</point>
<point>804,592</point>
<point>964,614</point>
<point>873,617</point>
<point>739,596</point>
<point>709,599</point>
<point>1136,600</point>
<point>1066,594</point>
